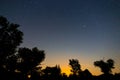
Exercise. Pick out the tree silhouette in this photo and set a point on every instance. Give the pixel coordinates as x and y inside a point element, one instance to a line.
<point>14,60</point>
<point>105,66</point>
<point>10,39</point>
<point>52,73</point>
<point>74,64</point>
<point>29,59</point>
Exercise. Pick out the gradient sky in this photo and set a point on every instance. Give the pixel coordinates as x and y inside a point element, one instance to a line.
<point>87,30</point>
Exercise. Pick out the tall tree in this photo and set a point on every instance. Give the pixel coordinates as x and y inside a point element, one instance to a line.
<point>12,58</point>
<point>10,39</point>
<point>105,66</point>
<point>76,67</point>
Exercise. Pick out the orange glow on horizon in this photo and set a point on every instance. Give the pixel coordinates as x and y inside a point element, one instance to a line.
<point>66,69</point>
<point>94,71</point>
<point>85,61</point>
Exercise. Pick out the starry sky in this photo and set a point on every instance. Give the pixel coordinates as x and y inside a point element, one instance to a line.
<point>87,30</point>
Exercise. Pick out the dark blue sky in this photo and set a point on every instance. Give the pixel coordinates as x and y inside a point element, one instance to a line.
<point>88,30</point>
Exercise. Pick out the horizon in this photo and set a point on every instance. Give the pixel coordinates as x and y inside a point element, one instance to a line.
<point>67,69</point>
<point>66,29</point>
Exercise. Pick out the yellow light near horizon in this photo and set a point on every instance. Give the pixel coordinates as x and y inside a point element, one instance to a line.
<point>85,61</point>
<point>94,71</point>
<point>29,76</point>
<point>65,69</point>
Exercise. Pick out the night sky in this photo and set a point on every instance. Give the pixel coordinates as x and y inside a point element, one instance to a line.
<point>87,30</point>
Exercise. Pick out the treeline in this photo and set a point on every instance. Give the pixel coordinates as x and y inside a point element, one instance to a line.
<point>21,63</point>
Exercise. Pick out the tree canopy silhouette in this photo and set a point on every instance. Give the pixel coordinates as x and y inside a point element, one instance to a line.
<point>76,67</point>
<point>10,37</point>
<point>29,58</point>
<point>105,66</point>
<point>52,73</point>
<point>12,58</point>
